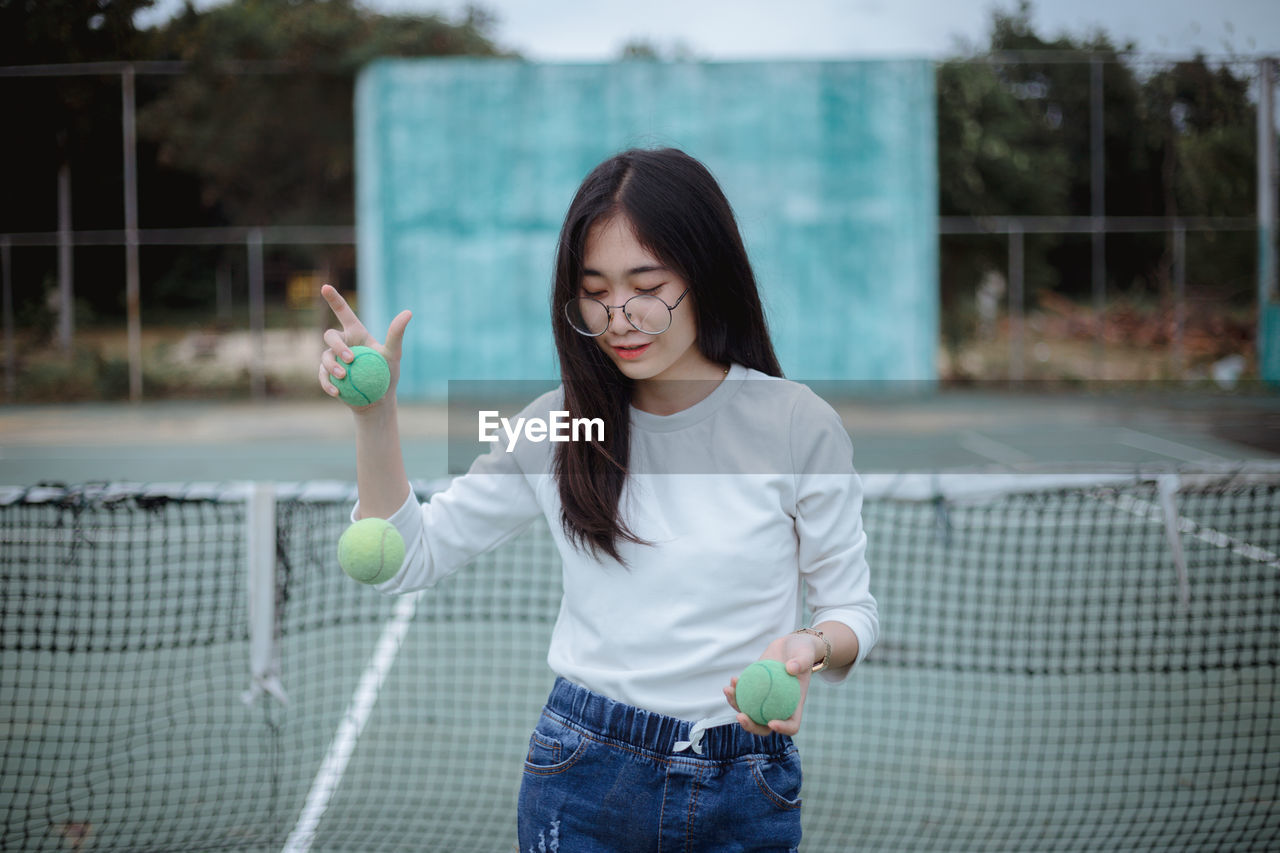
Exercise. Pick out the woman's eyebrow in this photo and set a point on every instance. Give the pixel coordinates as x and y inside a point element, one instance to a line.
<point>630,272</point>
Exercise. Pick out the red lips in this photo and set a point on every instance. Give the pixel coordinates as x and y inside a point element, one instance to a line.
<point>631,352</point>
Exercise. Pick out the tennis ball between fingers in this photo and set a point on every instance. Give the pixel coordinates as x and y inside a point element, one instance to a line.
<point>371,550</point>
<point>766,691</point>
<point>368,377</point>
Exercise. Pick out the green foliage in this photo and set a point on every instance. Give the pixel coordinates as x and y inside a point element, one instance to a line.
<point>277,148</point>
<point>65,120</point>
<point>34,32</point>
<point>1014,138</point>
<point>1208,136</point>
<point>648,50</point>
<point>997,154</point>
<point>639,49</point>
<point>86,374</point>
<point>214,147</point>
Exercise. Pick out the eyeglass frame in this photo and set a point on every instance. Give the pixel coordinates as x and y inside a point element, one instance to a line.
<point>609,309</point>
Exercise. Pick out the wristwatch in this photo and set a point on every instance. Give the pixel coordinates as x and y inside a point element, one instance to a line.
<point>822,664</point>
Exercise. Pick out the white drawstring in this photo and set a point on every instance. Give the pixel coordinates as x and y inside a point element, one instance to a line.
<point>700,728</point>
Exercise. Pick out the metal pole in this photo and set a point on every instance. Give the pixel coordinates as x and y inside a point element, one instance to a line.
<point>133,298</point>
<point>1179,299</point>
<point>1017,302</point>
<point>1097,185</point>
<point>257,316</point>
<point>10,345</point>
<point>66,291</point>
<point>222,287</point>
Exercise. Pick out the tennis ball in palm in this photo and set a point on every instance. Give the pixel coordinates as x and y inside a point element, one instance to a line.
<point>766,691</point>
<point>371,550</point>
<point>368,378</point>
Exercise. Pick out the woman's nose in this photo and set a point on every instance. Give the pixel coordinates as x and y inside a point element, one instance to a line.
<point>618,322</point>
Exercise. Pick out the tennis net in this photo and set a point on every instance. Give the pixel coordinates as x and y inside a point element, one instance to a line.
<point>1066,662</point>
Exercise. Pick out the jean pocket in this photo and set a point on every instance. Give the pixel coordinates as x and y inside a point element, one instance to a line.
<point>553,747</point>
<point>778,777</point>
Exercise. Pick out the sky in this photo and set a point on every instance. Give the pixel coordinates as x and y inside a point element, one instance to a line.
<point>595,30</point>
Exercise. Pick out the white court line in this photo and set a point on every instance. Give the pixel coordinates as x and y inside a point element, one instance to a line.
<point>1151,512</point>
<point>998,451</point>
<point>353,721</point>
<point>1164,447</point>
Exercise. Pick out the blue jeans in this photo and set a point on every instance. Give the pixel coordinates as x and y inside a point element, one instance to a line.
<point>602,776</point>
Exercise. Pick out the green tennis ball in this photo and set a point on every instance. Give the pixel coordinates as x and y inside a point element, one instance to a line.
<point>368,378</point>
<point>371,550</point>
<point>766,691</point>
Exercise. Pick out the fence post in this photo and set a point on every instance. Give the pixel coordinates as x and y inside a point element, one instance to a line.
<point>66,261</point>
<point>1017,301</point>
<point>222,290</point>
<point>257,316</point>
<point>1097,191</point>
<point>132,292</point>
<point>1179,299</point>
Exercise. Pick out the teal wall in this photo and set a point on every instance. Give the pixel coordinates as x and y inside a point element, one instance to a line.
<point>1269,342</point>
<point>466,168</point>
<point>1268,306</point>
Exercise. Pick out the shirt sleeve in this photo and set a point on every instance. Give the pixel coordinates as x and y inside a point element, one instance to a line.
<point>484,508</point>
<point>832,544</point>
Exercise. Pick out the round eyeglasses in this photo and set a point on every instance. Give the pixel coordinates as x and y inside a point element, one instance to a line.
<point>646,313</point>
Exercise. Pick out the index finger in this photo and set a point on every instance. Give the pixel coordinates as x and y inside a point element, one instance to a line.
<point>350,322</point>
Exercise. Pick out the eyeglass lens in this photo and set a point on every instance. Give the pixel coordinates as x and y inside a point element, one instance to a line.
<point>647,313</point>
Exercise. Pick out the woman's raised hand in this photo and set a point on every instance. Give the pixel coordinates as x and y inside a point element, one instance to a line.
<point>337,356</point>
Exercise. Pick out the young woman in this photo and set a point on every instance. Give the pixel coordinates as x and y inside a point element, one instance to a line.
<point>719,494</point>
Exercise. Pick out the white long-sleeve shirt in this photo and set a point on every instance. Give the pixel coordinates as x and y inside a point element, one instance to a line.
<point>750,500</point>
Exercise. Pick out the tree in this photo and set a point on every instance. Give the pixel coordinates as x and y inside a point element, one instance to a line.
<point>214,147</point>
<point>1208,136</point>
<point>278,147</point>
<point>1209,145</point>
<point>997,155</point>
<point>647,50</point>
<point>34,32</point>
<point>61,119</point>
<point>57,137</point>
<point>1014,137</point>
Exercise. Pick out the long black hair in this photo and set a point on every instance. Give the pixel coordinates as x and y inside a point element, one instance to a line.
<point>679,213</point>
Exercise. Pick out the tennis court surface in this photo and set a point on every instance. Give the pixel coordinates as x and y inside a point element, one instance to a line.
<point>298,441</point>
<point>1077,653</point>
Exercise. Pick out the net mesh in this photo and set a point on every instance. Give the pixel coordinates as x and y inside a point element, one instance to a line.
<point>1050,676</point>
